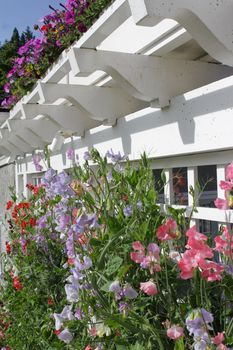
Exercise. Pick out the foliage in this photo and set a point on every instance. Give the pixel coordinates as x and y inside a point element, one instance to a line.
<point>92,263</point>
<point>8,51</point>
<point>58,31</point>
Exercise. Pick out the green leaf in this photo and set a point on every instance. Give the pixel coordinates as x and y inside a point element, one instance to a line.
<point>113,265</point>
<point>137,346</point>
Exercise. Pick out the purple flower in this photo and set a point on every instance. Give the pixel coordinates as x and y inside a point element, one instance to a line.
<point>79,314</point>
<point>64,222</point>
<point>41,222</point>
<point>36,159</point>
<point>109,176</point>
<point>115,287</point>
<point>128,211</point>
<point>66,336</point>
<point>129,292</point>
<point>49,175</point>
<point>66,314</point>
<point>82,263</point>
<point>139,205</point>
<point>87,156</point>
<point>70,154</point>
<point>124,307</point>
<point>72,292</point>
<point>115,157</point>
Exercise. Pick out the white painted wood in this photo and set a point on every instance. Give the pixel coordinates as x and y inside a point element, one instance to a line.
<point>71,119</point>
<point>168,188</point>
<point>192,177</point>
<point>105,104</point>
<point>148,78</point>
<point>209,22</point>
<point>114,16</point>
<point>220,176</point>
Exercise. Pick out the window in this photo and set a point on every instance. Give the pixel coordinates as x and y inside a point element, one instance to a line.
<point>207,178</point>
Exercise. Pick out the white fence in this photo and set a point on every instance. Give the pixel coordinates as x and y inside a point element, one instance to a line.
<point>138,81</point>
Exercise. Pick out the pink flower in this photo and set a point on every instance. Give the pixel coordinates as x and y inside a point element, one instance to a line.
<point>218,339</point>
<point>226,185</point>
<point>138,246</point>
<point>175,332</point>
<point>197,241</point>
<point>229,172</point>
<point>188,263</point>
<point>221,203</point>
<point>224,243</point>
<point>222,347</point>
<point>149,261</point>
<point>149,288</point>
<point>139,253</point>
<point>211,271</point>
<point>168,230</point>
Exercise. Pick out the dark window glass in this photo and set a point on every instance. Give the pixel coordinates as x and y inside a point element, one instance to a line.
<point>159,185</point>
<point>180,186</point>
<point>207,178</point>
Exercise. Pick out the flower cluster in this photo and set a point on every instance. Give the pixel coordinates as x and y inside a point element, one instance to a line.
<point>58,30</point>
<point>196,258</point>
<point>92,263</point>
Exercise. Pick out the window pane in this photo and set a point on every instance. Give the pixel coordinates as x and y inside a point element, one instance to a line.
<point>207,178</point>
<point>159,185</point>
<point>180,186</point>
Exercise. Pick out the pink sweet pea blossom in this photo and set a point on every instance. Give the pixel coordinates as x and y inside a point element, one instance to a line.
<point>168,230</point>
<point>175,332</point>
<point>218,339</point>
<point>139,253</point>
<point>229,172</point>
<point>149,261</point>
<point>221,203</point>
<point>149,288</point>
<point>211,271</point>
<point>226,185</point>
<point>224,243</point>
<point>197,241</point>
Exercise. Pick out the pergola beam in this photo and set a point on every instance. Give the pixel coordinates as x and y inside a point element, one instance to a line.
<point>105,104</point>
<point>208,22</point>
<point>149,78</point>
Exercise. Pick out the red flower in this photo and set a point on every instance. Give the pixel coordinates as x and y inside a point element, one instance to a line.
<point>16,283</point>
<point>32,222</point>
<point>8,248</point>
<point>57,331</point>
<point>50,301</point>
<point>30,187</point>
<point>70,261</point>
<point>9,205</point>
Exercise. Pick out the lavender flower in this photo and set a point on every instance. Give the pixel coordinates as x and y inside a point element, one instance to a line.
<point>139,205</point>
<point>124,307</point>
<point>129,292</point>
<point>115,157</point>
<point>36,159</point>
<point>87,156</point>
<point>70,154</point>
<point>66,336</point>
<point>128,211</point>
<point>115,287</point>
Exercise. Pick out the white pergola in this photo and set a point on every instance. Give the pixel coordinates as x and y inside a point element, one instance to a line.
<point>149,75</point>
